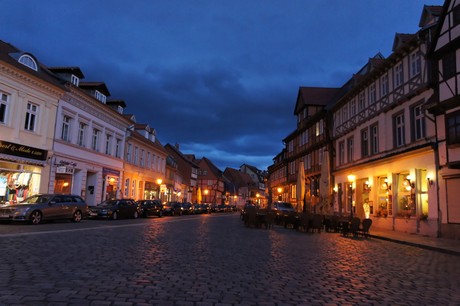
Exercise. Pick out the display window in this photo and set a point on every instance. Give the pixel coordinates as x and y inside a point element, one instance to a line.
<point>63,183</point>
<point>18,182</point>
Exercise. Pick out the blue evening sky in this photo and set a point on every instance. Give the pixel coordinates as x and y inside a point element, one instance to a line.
<point>220,78</point>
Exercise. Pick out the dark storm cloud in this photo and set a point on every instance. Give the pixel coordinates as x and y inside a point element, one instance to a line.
<point>220,78</point>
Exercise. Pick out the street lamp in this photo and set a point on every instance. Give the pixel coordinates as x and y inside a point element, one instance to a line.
<point>159,181</point>
<point>206,192</point>
<point>279,189</point>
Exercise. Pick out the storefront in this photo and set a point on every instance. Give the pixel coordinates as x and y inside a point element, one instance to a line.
<point>21,169</point>
<point>111,185</point>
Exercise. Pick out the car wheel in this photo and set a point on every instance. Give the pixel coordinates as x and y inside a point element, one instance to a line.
<point>136,214</point>
<point>35,217</point>
<point>114,215</point>
<point>77,216</point>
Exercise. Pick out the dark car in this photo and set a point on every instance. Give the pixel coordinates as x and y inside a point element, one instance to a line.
<point>172,209</point>
<point>282,209</point>
<point>205,208</point>
<point>197,209</point>
<point>150,208</point>
<point>187,208</point>
<point>115,209</point>
<point>40,207</point>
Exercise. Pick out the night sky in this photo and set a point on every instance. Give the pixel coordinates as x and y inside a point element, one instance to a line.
<point>220,78</point>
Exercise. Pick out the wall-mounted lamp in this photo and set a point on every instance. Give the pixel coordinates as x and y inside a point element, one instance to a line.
<point>408,184</point>
<point>335,189</point>
<point>385,185</point>
<point>429,181</point>
<point>367,186</point>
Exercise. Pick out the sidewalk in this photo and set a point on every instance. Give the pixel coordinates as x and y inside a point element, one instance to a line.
<point>449,246</point>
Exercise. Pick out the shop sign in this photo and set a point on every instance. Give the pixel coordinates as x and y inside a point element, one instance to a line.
<point>20,150</point>
<point>64,170</point>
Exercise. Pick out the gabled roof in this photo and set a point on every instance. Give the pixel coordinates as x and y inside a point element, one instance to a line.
<point>319,96</point>
<point>178,153</point>
<point>216,171</point>
<point>238,178</point>
<point>430,15</point>
<point>402,40</point>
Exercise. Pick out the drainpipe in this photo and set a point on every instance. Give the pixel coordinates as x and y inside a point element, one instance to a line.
<point>434,146</point>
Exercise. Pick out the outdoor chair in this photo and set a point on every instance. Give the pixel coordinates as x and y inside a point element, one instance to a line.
<point>269,220</point>
<point>304,222</point>
<point>251,218</point>
<point>316,223</point>
<point>354,226</point>
<point>364,230</point>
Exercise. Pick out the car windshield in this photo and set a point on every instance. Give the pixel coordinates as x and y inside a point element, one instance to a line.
<point>36,199</point>
<point>108,203</point>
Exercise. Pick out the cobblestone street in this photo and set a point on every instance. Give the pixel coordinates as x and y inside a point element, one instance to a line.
<point>214,260</point>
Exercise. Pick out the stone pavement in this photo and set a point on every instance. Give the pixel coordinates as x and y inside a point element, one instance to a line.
<point>214,260</point>
<point>449,246</point>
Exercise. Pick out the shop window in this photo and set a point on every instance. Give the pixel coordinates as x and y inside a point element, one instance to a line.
<point>63,183</point>
<point>406,195</point>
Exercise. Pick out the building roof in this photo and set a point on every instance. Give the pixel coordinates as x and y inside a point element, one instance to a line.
<point>319,96</point>
<point>10,55</point>
<point>178,153</point>
<point>72,70</point>
<point>99,86</point>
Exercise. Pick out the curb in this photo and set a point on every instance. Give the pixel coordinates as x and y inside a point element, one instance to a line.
<point>418,245</point>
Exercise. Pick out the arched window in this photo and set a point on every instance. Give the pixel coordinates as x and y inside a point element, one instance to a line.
<point>28,61</point>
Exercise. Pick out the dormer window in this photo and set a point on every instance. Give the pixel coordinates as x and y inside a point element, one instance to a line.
<point>100,96</point>
<point>74,80</point>
<point>28,61</point>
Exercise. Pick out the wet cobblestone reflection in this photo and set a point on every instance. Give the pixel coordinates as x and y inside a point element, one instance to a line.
<point>215,260</point>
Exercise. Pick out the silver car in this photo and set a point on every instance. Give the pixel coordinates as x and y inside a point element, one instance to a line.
<point>40,207</point>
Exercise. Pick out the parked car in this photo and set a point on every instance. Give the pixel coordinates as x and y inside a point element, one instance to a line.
<point>150,208</point>
<point>281,209</point>
<point>115,209</point>
<point>205,208</point>
<point>197,209</point>
<point>172,209</point>
<point>187,208</point>
<point>41,207</point>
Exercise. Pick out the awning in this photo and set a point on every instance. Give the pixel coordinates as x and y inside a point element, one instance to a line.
<point>22,160</point>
